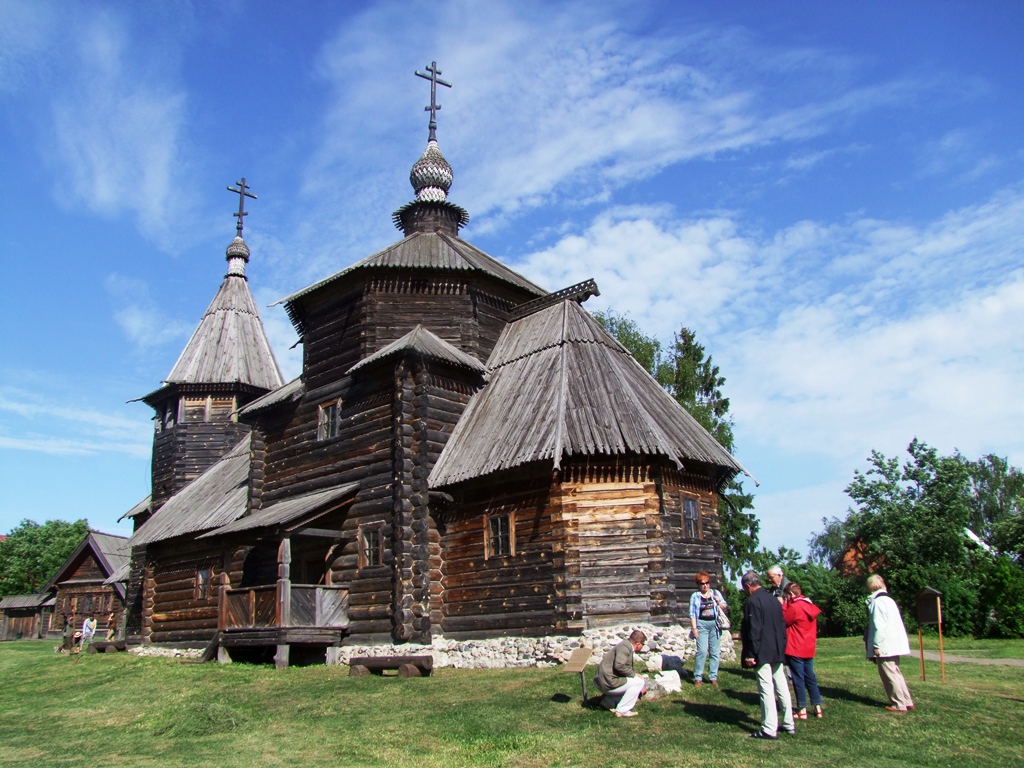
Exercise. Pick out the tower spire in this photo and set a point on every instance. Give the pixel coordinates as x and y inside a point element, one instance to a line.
<point>243,192</point>
<point>238,252</point>
<point>434,106</point>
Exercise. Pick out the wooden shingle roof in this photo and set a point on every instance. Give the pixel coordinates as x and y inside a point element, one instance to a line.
<point>560,385</point>
<point>110,552</point>
<point>288,511</point>
<point>425,343</point>
<point>422,250</point>
<point>230,344</point>
<point>23,601</point>
<point>141,508</point>
<point>215,498</point>
<point>291,391</point>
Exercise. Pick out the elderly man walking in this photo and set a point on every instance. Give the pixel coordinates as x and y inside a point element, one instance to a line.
<point>616,677</point>
<point>885,640</point>
<point>764,650</point>
<point>777,582</point>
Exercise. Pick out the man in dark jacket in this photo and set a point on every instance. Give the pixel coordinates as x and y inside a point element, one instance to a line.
<point>616,677</point>
<point>764,651</point>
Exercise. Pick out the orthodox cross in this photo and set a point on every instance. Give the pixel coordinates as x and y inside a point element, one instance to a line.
<point>434,106</point>
<point>242,192</point>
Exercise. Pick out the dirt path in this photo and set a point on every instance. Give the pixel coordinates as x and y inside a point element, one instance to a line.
<point>934,656</point>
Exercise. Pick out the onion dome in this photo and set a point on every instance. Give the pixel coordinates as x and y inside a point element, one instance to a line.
<point>237,255</point>
<point>431,178</point>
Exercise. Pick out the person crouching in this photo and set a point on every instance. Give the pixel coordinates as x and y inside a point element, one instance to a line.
<point>617,679</point>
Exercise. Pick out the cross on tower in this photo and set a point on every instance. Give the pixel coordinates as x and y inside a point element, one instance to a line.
<point>434,106</point>
<point>242,193</point>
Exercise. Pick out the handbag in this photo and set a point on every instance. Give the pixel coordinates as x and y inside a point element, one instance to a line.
<point>721,617</point>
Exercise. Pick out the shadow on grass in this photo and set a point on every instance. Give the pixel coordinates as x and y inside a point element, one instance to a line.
<point>716,713</point>
<point>827,692</point>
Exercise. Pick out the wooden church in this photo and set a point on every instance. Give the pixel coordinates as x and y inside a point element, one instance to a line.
<point>465,454</point>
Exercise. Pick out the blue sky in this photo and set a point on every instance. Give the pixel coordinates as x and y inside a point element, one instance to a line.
<point>830,194</point>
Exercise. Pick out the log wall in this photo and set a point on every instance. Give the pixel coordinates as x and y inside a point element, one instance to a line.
<point>183,452</point>
<point>173,613</point>
<point>512,594</point>
<point>691,555</point>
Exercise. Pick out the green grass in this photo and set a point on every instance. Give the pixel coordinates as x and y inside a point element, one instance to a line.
<point>968,646</point>
<point>124,710</point>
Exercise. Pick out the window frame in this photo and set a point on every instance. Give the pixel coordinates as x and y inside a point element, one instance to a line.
<point>698,527</point>
<point>370,533</point>
<point>202,589</point>
<point>509,536</point>
<point>328,420</point>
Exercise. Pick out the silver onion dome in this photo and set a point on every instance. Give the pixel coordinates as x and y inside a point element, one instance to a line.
<point>431,175</point>
<point>237,255</point>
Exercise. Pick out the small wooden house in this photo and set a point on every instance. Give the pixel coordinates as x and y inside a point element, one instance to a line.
<point>463,454</point>
<point>25,617</point>
<point>87,584</point>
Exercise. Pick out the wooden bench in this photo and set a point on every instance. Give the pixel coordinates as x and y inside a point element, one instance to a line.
<point>407,666</point>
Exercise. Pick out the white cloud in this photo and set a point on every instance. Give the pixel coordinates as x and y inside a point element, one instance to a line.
<point>37,424</point>
<point>835,338</point>
<point>138,315</point>
<point>550,105</point>
<point>25,29</point>
<point>117,129</point>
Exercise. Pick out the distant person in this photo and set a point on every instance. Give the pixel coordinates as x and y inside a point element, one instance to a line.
<point>704,607</point>
<point>616,677</point>
<point>88,631</point>
<point>764,651</point>
<point>801,617</point>
<point>111,627</point>
<point>778,581</point>
<point>885,640</point>
<point>68,634</point>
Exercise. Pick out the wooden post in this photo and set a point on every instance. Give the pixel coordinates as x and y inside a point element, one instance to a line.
<point>284,583</point>
<point>942,657</point>
<point>284,598</point>
<point>920,646</point>
<point>222,603</point>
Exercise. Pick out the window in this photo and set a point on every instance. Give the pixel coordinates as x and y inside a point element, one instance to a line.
<point>370,549</point>
<point>499,540</point>
<point>328,422</point>
<point>202,585</point>
<point>691,516</point>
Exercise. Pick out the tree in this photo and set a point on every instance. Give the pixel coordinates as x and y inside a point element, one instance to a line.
<point>32,553</point>
<point>997,504</point>
<point>695,382</point>
<point>908,524</point>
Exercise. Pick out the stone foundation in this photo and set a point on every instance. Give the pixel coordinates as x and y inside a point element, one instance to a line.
<point>504,652</point>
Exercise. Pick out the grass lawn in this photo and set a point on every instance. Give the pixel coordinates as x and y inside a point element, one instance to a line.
<point>119,709</point>
<point>968,646</point>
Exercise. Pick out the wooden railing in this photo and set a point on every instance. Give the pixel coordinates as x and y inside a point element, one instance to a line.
<point>260,607</point>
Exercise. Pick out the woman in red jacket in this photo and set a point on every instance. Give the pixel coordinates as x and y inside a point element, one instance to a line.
<point>801,640</point>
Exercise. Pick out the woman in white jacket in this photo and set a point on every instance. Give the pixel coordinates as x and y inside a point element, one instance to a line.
<point>885,640</point>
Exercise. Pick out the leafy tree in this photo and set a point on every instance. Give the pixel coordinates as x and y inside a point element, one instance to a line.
<point>997,504</point>
<point>1002,599</point>
<point>32,553</point>
<point>826,547</point>
<point>909,523</point>
<point>692,378</point>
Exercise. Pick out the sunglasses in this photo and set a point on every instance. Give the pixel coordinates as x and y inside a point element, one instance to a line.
<point>702,583</point>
